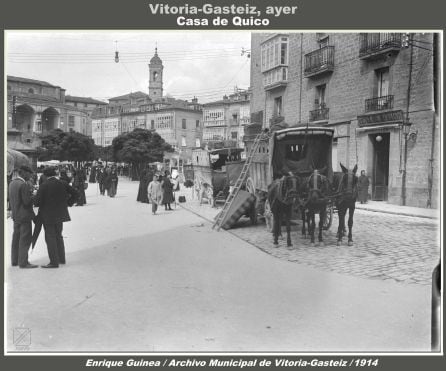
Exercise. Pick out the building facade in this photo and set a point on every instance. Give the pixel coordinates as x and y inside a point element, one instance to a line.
<point>226,119</point>
<point>36,107</point>
<point>378,91</point>
<point>88,105</point>
<point>178,122</point>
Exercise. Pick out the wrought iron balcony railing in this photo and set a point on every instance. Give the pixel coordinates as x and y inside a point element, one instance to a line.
<point>377,43</point>
<point>318,61</point>
<point>319,114</point>
<point>379,103</point>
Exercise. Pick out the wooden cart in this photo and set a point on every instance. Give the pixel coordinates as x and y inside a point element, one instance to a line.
<point>215,171</point>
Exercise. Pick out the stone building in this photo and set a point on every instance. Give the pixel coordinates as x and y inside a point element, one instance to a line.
<point>34,108</point>
<point>178,122</point>
<point>86,104</point>
<point>226,119</point>
<point>378,91</point>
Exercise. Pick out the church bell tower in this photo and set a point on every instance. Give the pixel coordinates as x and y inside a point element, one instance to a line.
<point>156,77</point>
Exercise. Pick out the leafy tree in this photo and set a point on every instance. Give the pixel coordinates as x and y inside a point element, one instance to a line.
<point>66,146</point>
<point>104,153</point>
<point>138,148</point>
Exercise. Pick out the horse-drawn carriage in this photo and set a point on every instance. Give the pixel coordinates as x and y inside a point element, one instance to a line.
<point>297,151</point>
<point>215,171</point>
<point>291,171</point>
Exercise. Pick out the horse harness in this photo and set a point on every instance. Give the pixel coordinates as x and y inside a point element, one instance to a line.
<point>283,191</point>
<point>312,185</point>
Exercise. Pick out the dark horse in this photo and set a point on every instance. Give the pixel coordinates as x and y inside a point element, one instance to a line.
<point>282,194</point>
<point>345,186</point>
<point>316,189</point>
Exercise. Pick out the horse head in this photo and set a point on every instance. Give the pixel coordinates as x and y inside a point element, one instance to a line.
<point>349,181</point>
<point>317,185</point>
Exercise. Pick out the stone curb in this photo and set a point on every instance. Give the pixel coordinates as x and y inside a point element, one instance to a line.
<point>397,213</point>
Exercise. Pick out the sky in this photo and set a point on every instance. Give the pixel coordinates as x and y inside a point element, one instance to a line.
<point>207,64</point>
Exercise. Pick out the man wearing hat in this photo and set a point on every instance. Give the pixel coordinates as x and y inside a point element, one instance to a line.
<point>53,198</point>
<point>20,199</point>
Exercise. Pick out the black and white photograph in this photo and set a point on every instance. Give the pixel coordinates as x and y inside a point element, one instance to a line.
<point>222,184</point>
<point>223,191</point>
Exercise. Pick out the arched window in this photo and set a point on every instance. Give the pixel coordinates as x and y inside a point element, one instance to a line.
<point>31,90</point>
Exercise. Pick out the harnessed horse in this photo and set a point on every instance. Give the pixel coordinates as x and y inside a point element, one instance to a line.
<point>345,184</point>
<point>282,195</point>
<point>317,188</point>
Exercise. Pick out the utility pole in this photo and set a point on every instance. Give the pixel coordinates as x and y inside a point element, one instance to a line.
<point>406,124</point>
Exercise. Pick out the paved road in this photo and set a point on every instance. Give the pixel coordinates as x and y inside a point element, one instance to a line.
<point>387,247</point>
<point>138,282</point>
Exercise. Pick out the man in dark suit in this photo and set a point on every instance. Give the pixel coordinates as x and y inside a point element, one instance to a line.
<point>53,198</point>
<point>22,213</point>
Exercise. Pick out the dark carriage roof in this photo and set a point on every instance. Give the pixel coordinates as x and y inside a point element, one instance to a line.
<point>302,130</point>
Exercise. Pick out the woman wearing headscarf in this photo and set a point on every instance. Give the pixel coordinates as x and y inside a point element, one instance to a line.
<point>112,183</point>
<point>167,188</point>
<point>143,184</point>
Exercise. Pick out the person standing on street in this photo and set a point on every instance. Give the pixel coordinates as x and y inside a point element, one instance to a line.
<point>363,187</point>
<point>78,184</point>
<point>101,177</point>
<point>155,193</point>
<point>64,176</point>
<point>112,182</point>
<point>167,188</point>
<point>142,189</point>
<point>22,214</point>
<point>53,198</point>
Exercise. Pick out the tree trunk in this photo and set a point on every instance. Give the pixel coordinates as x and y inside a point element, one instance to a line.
<point>135,171</point>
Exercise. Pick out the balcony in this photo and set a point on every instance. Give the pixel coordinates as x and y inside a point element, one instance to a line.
<point>211,123</point>
<point>320,114</point>
<point>319,61</point>
<point>379,103</point>
<point>275,78</point>
<point>372,45</point>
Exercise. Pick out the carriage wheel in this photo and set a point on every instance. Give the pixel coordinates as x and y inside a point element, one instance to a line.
<point>252,189</point>
<point>328,216</point>
<point>269,217</point>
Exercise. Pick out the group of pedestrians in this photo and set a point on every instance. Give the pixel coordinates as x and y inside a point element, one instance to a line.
<point>107,179</point>
<point>53,198</point>
<point>158,191</point>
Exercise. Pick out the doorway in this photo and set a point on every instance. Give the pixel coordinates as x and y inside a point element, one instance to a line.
<point>380,172</point>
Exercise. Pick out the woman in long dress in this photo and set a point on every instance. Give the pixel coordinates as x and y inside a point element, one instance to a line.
<point>363,187</point>
<point>79,179</point>
<point>113,183</point>
<point>167,188</point>
<point>143,184</point>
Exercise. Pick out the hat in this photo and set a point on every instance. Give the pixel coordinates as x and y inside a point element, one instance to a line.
<point>49,171</point>
<point>25,168</point>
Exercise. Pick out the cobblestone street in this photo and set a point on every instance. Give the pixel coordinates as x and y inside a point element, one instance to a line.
<point>386,246</point>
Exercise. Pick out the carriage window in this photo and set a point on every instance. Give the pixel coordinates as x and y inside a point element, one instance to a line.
<point>295,152</point>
